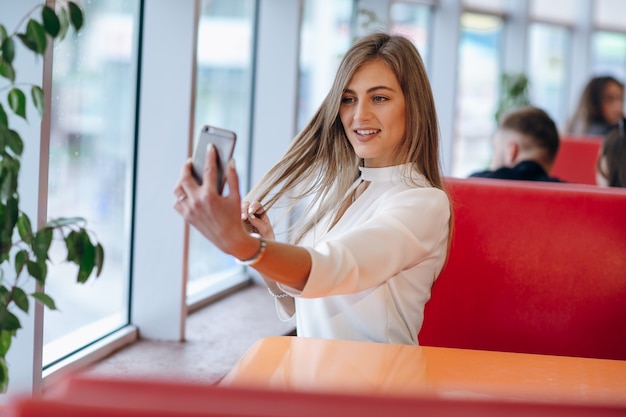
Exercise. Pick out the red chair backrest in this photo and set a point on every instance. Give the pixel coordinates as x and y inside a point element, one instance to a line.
<point>576,160</point>
<point>533,268</point>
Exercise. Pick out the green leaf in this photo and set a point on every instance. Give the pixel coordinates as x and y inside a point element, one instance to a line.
<point>7,71</point>
<point>37,35</point>
<point>21,299</point>
<point>4,294</point>
<point>4,119</point>
<point>50,21</point>
<point>44,299</point>
<point>20,260</point>
<point>24,228</point>
<point>8,50</point>
<point>99,259</point>
<point>5,343</point>
<point>74,245</point>
<point>76,16</point>
<point>87,260</point>
<point>15,142</point>
<point>64,22</point>
<point>36,271</point>
<point>11,212</point>
<point>29,43</point>
<point>17,102</point>
<point>39,101</point>
<point>8,321</point>
<point>41,243</point>
<point>64,221</point>
<point>3,33</point>
<point>4,374</point>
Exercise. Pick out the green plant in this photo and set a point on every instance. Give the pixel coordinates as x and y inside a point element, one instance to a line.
<point>513,93</point>
<point>23,250</point>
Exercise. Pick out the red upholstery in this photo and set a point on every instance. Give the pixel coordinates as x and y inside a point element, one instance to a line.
<point>577,158</point>
<point>143,398</point>
<point>533,268</point>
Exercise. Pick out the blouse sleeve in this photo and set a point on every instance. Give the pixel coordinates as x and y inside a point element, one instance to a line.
<point>409,227</point>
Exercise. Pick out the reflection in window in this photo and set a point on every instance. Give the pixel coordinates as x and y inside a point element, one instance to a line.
<point>609,54</point>
<point>91,168</point>
<point>413,21</point>
<point>325,37</point>
<point>223,99</point>
<point>477,96</point>
<point>547,68</point>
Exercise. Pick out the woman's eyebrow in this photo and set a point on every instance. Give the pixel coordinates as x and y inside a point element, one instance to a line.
<point>370,90</point>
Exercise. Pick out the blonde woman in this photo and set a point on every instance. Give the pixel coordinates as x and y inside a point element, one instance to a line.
<point>374,236</point>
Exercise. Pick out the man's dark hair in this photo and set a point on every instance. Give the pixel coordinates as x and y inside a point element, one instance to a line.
<point>535,124</point>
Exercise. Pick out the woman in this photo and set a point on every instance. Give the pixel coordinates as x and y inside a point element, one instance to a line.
<point>611,167</point>
<point>374,235</point>
<point>600,108</point>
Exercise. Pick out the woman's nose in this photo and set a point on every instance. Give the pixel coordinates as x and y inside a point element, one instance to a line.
<point>362,110</point>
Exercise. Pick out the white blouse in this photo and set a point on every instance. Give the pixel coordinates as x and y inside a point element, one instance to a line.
<point>372,273</point>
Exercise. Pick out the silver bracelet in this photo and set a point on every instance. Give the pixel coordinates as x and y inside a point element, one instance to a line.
<point>258,255</point>
<point>276,295</point>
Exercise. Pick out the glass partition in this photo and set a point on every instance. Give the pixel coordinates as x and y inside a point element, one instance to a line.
<point>91,170</point>
<point>224,99</point>
<point>477,92</point>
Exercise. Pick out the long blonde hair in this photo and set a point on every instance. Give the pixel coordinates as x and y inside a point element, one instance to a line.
<point>320,165</point>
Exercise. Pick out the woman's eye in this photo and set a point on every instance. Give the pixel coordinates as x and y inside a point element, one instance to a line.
<point>379,99</point>
<point>347,100</point>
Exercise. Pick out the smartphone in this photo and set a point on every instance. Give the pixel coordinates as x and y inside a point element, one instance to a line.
<point>224,142</point>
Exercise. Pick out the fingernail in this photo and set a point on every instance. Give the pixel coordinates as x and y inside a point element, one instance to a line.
<point>210,147</point>
<point>243,216</point>
<point>232,162</point>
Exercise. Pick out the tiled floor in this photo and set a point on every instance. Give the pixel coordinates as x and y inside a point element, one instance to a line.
<point>216,337</point>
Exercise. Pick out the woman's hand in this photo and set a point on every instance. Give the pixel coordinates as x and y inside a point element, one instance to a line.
<point>256,220</point>
<point>217,217</point>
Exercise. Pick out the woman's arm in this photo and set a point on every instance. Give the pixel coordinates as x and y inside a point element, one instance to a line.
<point>218,218</point>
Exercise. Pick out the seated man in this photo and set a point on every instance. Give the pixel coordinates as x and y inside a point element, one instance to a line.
<point>525,146</point>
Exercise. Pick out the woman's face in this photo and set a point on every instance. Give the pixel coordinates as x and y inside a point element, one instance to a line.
<point>373,114</point>
<point>612,103</point>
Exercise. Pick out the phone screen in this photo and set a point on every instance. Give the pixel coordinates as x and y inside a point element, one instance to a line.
<point>224,142</point>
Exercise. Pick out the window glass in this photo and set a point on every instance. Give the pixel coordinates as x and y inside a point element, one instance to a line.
<point>413,21</point>
<point>91,170</point>
<point>477,92</point>
<point>547,68</point>
<point>223,99</point>
<point>609,54</point>
<point>325,37</point>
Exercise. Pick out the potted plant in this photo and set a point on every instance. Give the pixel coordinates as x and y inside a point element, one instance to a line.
<point>514,92</point>
<point>23,249</point>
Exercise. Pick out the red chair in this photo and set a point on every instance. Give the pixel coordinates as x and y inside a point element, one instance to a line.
<point>577,158</point>
<point>533,268</point>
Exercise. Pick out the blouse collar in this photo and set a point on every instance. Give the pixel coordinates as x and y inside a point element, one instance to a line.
<point>394,174</point>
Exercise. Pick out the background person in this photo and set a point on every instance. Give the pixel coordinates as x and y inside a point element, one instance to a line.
<point>600,107</point>
<point>374,235</point>
<point>611,168</point>
<point>525,146</point>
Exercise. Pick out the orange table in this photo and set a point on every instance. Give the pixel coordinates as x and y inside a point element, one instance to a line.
<point>306,364</point>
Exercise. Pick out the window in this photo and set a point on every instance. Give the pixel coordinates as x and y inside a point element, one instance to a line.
<point>547,68</point>
<point>325,37</point>
<point>477,95</point>
<point>413,21</point>
<point>91,170</point>
<point>223,98</point>
<point>609,54</point>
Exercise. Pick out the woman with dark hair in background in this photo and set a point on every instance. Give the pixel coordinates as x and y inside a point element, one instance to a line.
<point>600,107</point>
